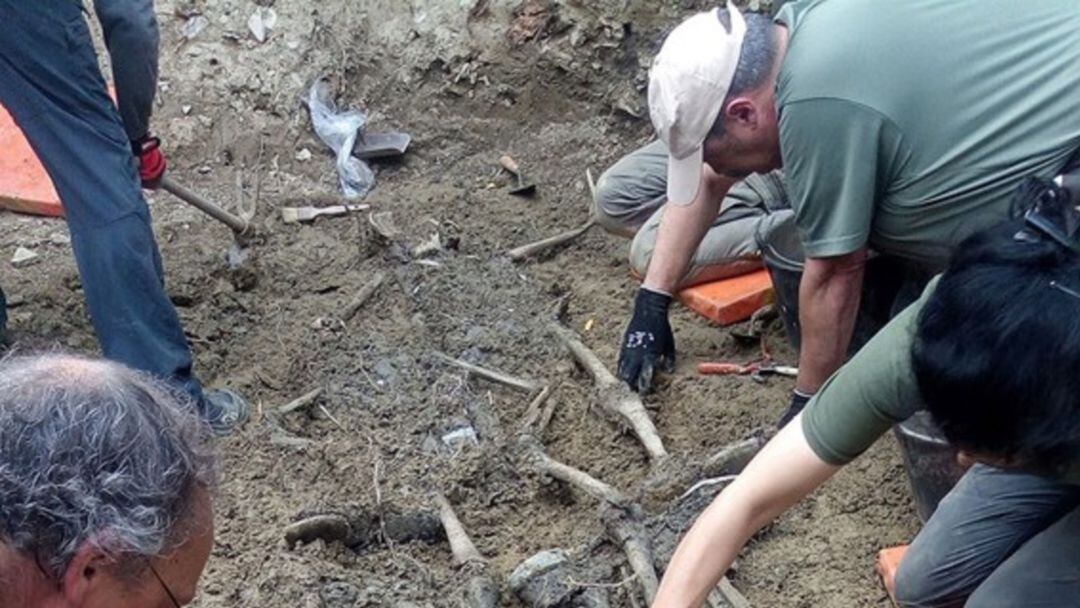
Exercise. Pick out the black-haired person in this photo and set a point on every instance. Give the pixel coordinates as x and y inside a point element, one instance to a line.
<point>991,350</point>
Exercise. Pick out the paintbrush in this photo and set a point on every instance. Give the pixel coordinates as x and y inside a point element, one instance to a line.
<point>296,215</point>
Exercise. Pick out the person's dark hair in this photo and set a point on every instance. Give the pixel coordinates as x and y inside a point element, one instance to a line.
<point>756,59</point>
<point>997,350</point>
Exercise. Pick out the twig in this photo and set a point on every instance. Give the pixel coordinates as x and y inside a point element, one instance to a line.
<point>461,545</point>
<point>707,482</point>
<point>576,477</point>
<point>363,296</point>
<point>615,398</point>
<point>630,594</point>
<point>527,251</point>
<point>527,386</point>
<point>533,413</point>
<point>730,594</point>
<point>631,537</point>
<point>602,377</point>
<point>546,416</point>
<point>300,402</point>
<point>331,417</point>
<point>733,458</point>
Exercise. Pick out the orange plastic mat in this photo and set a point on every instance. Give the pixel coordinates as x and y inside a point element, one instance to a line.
<point>888,563</point>
<point>731,300</point>
<point>25,187</point>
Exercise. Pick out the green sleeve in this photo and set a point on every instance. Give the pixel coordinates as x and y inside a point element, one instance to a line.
<point>871,393</point>
<point>839,157</point>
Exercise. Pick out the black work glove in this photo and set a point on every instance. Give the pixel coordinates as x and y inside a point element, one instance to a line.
<point>648,343</point>
<point>798,402</point>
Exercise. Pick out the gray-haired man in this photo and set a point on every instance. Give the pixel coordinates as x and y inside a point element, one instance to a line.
<point>106,478</point>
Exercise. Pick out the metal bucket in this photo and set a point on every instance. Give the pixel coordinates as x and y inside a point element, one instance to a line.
<point>930,461</point>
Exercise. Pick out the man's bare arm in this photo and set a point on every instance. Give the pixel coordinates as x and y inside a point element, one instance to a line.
<point>783,473</point>
<point>681,231</point>
<point>829,296</point>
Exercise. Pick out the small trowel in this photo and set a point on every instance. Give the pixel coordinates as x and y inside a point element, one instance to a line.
<point>522,186</point>
<point>371,146</point>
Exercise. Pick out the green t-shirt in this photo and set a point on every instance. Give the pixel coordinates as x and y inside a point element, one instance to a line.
<point>876,389</point>
<point>908,125</point>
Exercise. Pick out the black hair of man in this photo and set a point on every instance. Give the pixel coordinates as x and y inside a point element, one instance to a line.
<point>756,59</point>
<point>997,350</point>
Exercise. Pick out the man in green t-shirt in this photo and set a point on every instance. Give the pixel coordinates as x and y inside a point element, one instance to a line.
<point>901,127</point>
<point>991,351</point>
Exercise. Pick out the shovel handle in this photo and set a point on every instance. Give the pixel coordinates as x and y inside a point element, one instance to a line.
<point>238,225</point>
<point>509,164</point>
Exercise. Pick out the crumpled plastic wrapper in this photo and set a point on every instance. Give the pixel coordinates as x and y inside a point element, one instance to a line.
<point>339,130</point>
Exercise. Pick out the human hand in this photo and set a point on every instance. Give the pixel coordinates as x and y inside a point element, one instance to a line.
<point>152,161</point>
<point>648,342</point>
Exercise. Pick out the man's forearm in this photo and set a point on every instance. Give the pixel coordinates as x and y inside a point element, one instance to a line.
<point>829,296</point>
<point>681,230</point>
<point>132,37</point>
<point>785,471</point>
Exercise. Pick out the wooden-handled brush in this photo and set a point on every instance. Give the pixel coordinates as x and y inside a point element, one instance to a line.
<point>297,215</point>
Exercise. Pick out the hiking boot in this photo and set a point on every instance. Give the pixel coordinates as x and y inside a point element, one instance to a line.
<point>225,411</point>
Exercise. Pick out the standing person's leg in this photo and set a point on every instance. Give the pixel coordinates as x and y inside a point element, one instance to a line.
<point>976,528</point>
<point>132,37</point>
<point>50,82</point>
<point>730,246</point>
<point>1044,573</point>
<point>632,190</point>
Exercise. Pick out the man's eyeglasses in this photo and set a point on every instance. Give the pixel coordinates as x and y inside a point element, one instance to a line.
<point>168,591</point>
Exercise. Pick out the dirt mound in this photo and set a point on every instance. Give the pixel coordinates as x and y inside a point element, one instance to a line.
<point>559,85</point>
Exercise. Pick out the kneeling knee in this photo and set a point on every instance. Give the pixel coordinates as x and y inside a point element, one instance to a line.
<point>915,589</point>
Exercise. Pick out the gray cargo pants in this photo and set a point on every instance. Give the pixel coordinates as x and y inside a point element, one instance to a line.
<point>999,539</point>
<point>51,85</point>
<point>630,199</point>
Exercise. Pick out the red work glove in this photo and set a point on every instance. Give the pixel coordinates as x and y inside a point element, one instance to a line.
<point>151,161</point>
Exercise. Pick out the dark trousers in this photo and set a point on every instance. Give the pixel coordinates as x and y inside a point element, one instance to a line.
<point>998,540</point>
<point>51,85</point>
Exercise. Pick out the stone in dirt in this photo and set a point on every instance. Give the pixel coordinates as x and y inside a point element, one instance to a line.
<point>24,257</point>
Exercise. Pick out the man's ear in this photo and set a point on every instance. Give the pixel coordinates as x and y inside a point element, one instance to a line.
<point>84,574</point>
<point>741,112</point>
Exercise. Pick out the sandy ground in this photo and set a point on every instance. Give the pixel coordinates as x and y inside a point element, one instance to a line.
<point>556,84</point>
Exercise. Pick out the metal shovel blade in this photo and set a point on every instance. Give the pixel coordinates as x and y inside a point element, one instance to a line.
<point>381,145</point>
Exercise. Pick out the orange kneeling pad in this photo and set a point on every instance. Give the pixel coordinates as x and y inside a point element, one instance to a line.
<point>25,187</point>
<point>888,563</point>
<point>730,301</point>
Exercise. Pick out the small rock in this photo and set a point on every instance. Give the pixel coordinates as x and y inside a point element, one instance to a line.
<point>194,26</point>
<point>339,595</point>
<point>461,437</point>
<point>261,23</point>
<point>59,238</point>
<point>24,257</point>
<point>303,155</point>
<point>185,109</point>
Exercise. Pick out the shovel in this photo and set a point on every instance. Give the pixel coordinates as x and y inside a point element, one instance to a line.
<point>371,146</point>
<point>523,187</point>
<point>238,225</point>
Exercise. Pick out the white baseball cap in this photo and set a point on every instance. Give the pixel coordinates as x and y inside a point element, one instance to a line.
<point>688,83</point>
